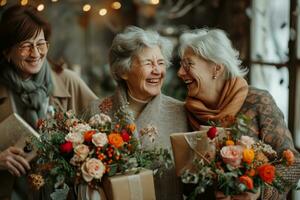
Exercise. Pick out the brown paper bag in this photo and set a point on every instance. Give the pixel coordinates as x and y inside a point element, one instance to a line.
<point>190,145</point>
<point>130,186</point>
<point>16,132</point>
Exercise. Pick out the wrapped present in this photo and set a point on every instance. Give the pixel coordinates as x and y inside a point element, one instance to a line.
<point>138,186</point>
<point>190,145</point>
<point>17,132</point>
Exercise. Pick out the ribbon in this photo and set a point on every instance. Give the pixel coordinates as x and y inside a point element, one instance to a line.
<point>135,187</point>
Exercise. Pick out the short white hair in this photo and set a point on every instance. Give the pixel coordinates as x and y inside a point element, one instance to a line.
<point>215,46</point>
<point>130,42</point>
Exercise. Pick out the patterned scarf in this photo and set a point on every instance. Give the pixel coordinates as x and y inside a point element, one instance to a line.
<point>31,93</point>
<point>231,100</point>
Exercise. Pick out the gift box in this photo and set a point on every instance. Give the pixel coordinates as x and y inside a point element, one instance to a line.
<point>190,145</point>
<point>131,186</point>
<point>17,132</point>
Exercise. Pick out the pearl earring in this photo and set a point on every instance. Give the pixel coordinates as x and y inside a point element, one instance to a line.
<point>214,77</point>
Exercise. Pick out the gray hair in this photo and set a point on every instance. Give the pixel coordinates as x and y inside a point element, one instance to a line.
<point>215,46</point>
<point>131,41</point>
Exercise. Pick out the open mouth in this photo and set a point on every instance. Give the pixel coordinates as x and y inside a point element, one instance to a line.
<point>153,80</point>
<point>188,81</point>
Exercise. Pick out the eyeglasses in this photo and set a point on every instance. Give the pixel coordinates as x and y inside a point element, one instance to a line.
<point>186,65</point>
<point>26,48</point>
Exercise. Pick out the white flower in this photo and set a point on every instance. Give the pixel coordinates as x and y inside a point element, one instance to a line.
<point>246,141</point>
<point>92,169</point>
<point>150,131</point>
<point>99,139</point>
<point>80,128</point>
<point>99,120</point>
<point>82,151</point>
<point>75,137</point>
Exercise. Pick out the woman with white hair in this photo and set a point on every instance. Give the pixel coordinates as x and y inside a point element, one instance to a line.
<point>216,88</point>
<point>138,61</point>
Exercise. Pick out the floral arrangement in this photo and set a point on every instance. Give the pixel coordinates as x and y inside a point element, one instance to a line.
<point>73,151</point>
<point>240,163</point>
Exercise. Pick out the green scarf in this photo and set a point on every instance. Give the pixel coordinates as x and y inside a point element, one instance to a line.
<point>31,93</point>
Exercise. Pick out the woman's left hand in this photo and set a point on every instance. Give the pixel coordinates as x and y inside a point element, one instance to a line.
<point>246,196</point>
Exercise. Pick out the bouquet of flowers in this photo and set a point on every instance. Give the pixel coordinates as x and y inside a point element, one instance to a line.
<point>73,151</point>
<point>240,163</point>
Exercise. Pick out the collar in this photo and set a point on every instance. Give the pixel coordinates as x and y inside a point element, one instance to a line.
<point>3,92</point>
<point>59,87</point>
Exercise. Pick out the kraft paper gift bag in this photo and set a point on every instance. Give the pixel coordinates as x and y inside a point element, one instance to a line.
<point>138,186</point>
<point>190,145</point>
<point>16,132</point>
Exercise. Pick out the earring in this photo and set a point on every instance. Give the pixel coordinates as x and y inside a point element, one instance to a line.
<point>214,77</point>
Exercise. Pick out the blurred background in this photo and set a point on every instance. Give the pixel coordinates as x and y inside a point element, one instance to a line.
<point>264,31</point>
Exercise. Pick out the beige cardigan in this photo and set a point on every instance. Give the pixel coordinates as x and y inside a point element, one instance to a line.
<point>70,92</point>
<point>167,115</point>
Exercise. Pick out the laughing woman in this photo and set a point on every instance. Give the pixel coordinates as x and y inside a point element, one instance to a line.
<point>29,86</point>
<point>138,62</point>
<point>216,88</point>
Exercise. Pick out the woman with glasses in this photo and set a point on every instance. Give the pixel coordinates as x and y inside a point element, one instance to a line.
<point>210,67</point>
<point>30,87</point>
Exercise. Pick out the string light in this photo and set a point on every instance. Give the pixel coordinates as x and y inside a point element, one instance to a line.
<point>40,7</point>
<point>86,7</point>
<point>24,2</point>
<point>54,0</point>
<point>116,5</point>
<point>154,2</point>
<point>102,12</point>
<point>3,2</point>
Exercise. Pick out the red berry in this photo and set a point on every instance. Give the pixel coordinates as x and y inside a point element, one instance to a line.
<point>212,132</point>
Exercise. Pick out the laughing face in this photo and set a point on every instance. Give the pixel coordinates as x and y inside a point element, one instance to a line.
<point>197,74</point>
<point>147,73</point>
<point>29,55</point>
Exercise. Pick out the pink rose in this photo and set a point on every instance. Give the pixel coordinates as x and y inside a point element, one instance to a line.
<point>92,169</point>
<point>99,139</point>
<point>75,138</point>
<point>246,141</point>
<point>232,155</point>
<point>82,151</point>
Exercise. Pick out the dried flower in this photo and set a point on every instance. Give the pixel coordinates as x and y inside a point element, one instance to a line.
<point>36,181</point>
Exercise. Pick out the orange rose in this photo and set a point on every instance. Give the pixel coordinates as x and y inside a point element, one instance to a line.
<point>288,155</point>
<point>115,139</point>
<point>88,135</point>
<point>247,181</point>
<point>266,173</point>
<point>229,142</point>
<point>251,172</point>
<point>248,155</point>
<point>131,127</point>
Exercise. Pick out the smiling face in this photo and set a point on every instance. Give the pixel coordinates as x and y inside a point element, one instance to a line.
<point>146,76</point>
<point>197,73</point>
<point>29,55</point>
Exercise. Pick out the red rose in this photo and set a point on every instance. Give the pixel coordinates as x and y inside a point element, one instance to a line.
<point>266,173</point>
<point>125,135</point>
<point>66,147</point>
<point>212,132</point>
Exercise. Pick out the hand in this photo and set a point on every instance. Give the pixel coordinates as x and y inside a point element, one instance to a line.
<point>221,196</point>
<point>243,196</point>
<point>246,196</point>
<point>13,160</point>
